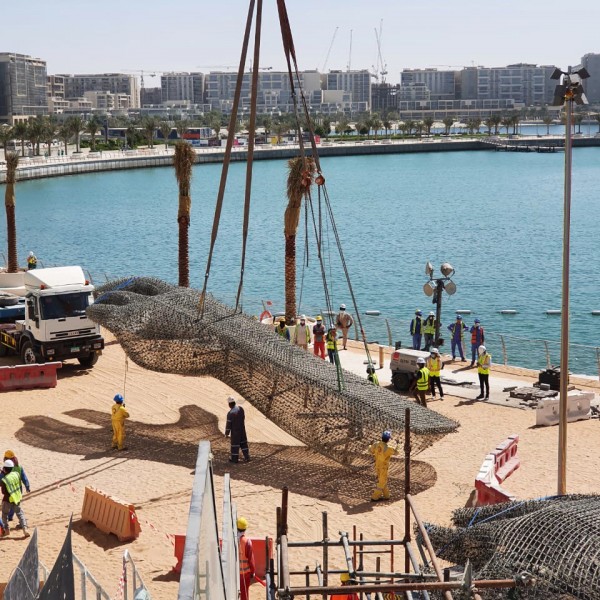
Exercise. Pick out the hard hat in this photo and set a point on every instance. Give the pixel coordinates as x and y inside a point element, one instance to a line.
<point>342,307</point>
<point>319,318</point>
<point>303,317</point>
<point>344,577</point>
<point>8,464</point>
<point>420,361</point>
<point>431,313</point>
<point>331,326</point>
<point>242,524</point>
<point>231,400</point>
<point>281,320</point>
<point>481,349</point>
<point>477,321</point>
<point>418,312</point>
<point>435,351</point>
<point>118,398</point>
<point>31,253</point>
<point>459,317</point>
<point>9,454</point>
<point>386,436</point>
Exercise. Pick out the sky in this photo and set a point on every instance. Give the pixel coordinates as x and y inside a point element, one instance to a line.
<point>88,36</point>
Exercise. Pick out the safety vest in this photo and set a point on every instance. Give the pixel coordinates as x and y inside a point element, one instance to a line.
<point>12,481</point>
<point>372,377</point>
<point>434,365</point>
<point>331,342</point>
<point>423,381</point>
<point>415,326</point>
<point>282,332</point>
<point>483,364</point>
<point>429,326</point>
<point>306,330</point>
<point>477,336</point>
<point>461,329</point>
<point>244,562</point>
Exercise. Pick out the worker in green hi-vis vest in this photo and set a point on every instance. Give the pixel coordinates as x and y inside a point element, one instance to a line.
<point>11,497</point>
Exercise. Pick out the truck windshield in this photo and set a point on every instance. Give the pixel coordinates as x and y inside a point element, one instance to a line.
<point>65,305</point>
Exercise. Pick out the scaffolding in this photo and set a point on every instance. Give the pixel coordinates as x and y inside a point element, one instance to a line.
<point>421,576</point>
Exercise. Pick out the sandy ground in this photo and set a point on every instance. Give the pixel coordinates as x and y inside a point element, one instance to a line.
<point>62,437</point>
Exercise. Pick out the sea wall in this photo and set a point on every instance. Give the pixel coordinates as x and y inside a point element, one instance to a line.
<point>92,162</point>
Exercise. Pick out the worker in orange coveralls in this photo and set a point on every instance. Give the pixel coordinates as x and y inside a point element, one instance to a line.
<point>246,556</point>
<point>345,579</point>
<point>119,414</point>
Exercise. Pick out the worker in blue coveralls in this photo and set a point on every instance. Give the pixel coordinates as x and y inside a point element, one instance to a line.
<point>236,428</point>
<point>416,330</point>
<point>457,330</point>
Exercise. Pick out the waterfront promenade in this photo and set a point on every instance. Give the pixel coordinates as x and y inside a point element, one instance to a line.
<point>39,167</point>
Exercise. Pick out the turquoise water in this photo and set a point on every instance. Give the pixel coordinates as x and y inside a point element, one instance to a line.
<point>497,217</point>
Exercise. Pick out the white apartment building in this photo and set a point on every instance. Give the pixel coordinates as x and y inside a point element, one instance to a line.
<point>186,87</point>
<point>107,101</point>
<point>117,83</point>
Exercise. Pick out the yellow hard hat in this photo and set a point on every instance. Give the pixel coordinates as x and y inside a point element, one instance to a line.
<point>9,454</point>
<point>344,577</point>
<point>319,318</point>
<point>242,524</point>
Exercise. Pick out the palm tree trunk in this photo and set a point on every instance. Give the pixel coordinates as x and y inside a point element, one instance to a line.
<point>9,203</point>
<point>184,261</point>
<point>290,279</point>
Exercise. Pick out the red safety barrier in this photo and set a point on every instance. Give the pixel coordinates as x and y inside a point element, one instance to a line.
<point>178,551</point>
<point>496,467</point>
<point>28,377</point>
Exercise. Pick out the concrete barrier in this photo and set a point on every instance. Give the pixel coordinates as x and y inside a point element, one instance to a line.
<point>110,515</point>
<point>496,467</point>
<point>578,408</point>
<point>29,377</point>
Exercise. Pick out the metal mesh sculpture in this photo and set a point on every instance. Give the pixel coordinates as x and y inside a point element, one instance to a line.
<point>556,540</point>
<point>160,328</point>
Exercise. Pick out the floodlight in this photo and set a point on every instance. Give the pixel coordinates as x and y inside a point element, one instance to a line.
<point>556,74</point>
<point>429,269</point>
<point>447,269</point>
<point>581,71</point>
<point>560,92</point>
<point>450,288</point>
<point>429,288</point>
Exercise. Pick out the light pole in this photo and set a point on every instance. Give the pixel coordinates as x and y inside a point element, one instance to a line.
<point>568,90</point>
<point>434,287</point>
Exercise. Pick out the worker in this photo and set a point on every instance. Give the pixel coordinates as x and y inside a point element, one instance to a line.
<point>11,497</point>
<point>246,558</point>
<point>10,455</point>
<point>344,321</point>
<point>372,376</point>
<point>345,579</point>
<point>119,414</point>
<point>429,331</point>
<point>236,427</point>
<point>484,362</point>
<point>457,330</point>
<point>282,330</point>
<point>302,334</point>
<point>31,261</point>
<point>416,330</point>
<point>420,384</point>
<point>332,348</point>
<point>435,365</point>
<point>319,333</point>
<point>383,454</point>
<point>477,339</point>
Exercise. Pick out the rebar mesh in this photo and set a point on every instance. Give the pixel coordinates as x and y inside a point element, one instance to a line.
<point>556,540</point>
<point>160,328</point>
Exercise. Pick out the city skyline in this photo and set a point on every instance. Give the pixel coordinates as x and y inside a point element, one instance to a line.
<point>193,36</point>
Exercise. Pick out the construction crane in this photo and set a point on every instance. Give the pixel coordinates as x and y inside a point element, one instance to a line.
<point>381,69</point>
<point>329,51</point>
<point>140,72</point>
<point>231,67</point>
<point>349,66</point>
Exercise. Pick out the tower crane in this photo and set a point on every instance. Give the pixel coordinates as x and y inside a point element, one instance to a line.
<point>140,72</point>
<point>231,67</point>
<point>350,53</point>
<point>381,69</point>
<point>329,51</point>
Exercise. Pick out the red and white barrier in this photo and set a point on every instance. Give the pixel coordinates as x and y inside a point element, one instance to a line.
<point>496,467</point>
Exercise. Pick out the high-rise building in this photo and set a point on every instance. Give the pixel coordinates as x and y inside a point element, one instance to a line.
<point>23,87</point>
<point>150,96</point>
<point>177,87</point>
<point>525,84</point>
<point>591,62</point>
<point>357,83</point>
<point>441,84</point>
<point>116,83</point>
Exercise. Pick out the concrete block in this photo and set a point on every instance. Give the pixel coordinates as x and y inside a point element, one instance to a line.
<point>578,408</point>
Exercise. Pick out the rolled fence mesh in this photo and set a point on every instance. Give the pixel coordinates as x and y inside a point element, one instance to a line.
<point>555,540</point>
<point>161,328</point>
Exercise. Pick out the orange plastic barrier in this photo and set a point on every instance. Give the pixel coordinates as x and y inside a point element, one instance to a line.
<point>110,515</point>
<point>496,467</point>
<point>258,547</point>
<point>28,377</point>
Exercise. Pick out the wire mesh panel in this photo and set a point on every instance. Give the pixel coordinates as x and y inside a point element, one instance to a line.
<point>555,540</point>
<point>160,328</point>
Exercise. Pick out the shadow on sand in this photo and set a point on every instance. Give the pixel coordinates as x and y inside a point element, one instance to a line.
<point>299,468</point>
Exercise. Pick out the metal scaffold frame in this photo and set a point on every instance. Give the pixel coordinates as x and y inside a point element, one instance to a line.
<point>413,579</point>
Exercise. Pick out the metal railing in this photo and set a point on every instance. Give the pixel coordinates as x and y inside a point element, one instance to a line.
<point>86,577</point>
<point>136,580</point>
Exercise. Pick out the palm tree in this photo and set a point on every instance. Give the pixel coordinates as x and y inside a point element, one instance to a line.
<point>548,120</point>
<point>130,134</point>
<point>375,124</point>
<point>342,125</point>
<point>65,134</point>
<point>267,123</point>
<point>280,128</point>
<point>326,124</point>
<point>181,127</point>
<point>597,117</point>
<point>76,124</point>
<point>20,132</point>
<point>448,122</point>
<point>489,123</point>
<point>300,178</point>
<point>514,121</point>
<point>50,131</point>
<point>428,124</point>
<point>183,160</point>
<point>12,162</point>
<point>150,125</point>
<point>92,127</point>
<point>165,130</point>
<point>215,123</point>
<point>6,134</point>
<point>578,119</point>
<point>496,120</point>
<point>410,125</point>
<point>506,122</point>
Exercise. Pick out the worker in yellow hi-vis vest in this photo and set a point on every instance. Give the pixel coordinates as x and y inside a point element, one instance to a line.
<point>383,454</point>
<point>420,384</point>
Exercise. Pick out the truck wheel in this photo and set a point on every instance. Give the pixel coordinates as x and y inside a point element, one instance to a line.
<point>88,361</point>
<point>28,354</point>
<point>401,381</point>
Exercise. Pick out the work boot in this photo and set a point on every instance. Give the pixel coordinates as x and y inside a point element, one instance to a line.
<point>472,365</point>
<point>26,533</point>
<point>480,397</point>
<point>5,532</point>
<point>19,526</point>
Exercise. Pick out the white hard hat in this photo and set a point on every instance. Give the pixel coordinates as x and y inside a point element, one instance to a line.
<point>342,307</point>
<point>303,317</point>
<point>31,253</point>
<point>231,400</point>
<point>8,464</point>
<point>420,361</point>
<point>481,349</point>
<point>431,313</point>
<point>435,351</point>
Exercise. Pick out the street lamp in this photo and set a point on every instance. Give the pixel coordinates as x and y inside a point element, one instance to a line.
<point>434,287</point>
<point>568,90</point>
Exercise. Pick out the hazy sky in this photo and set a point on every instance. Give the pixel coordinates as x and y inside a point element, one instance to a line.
<point>87,36</point>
